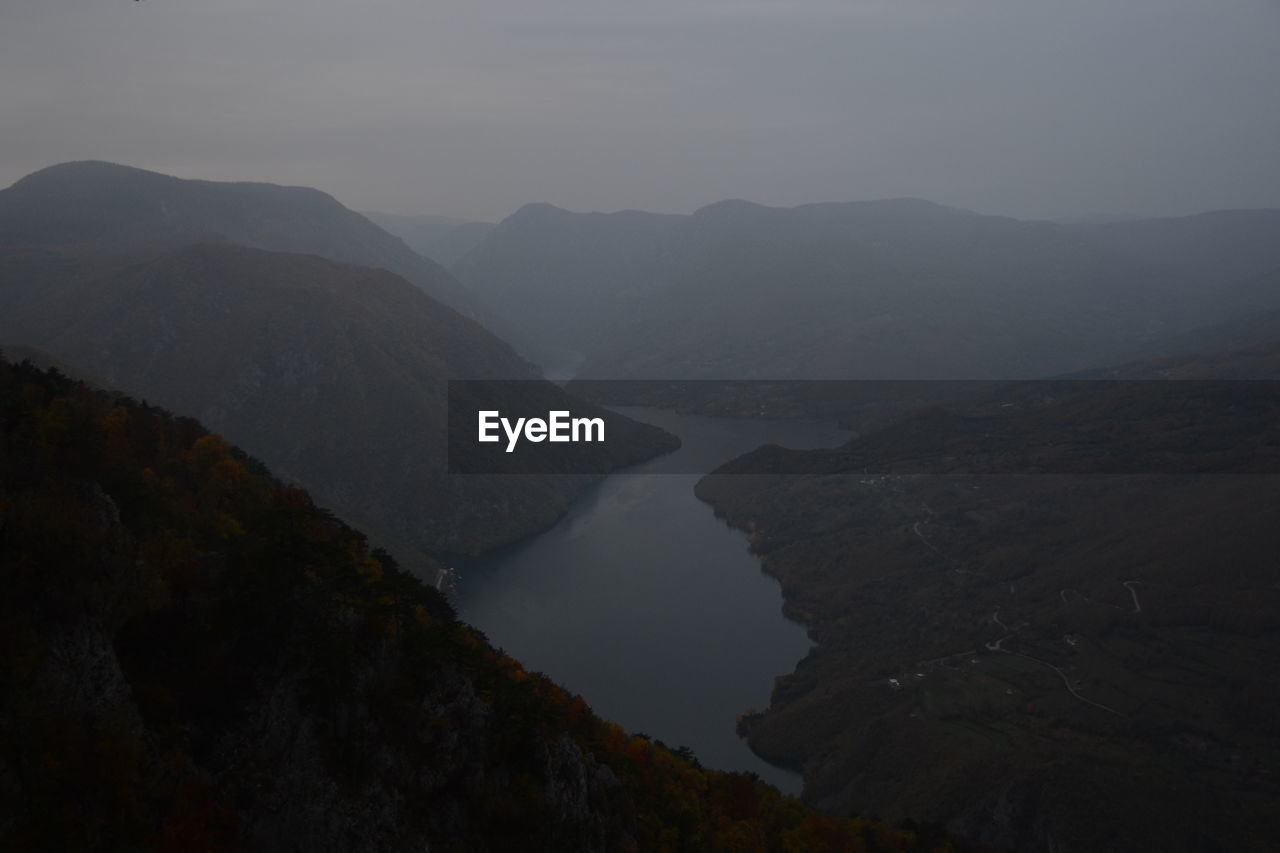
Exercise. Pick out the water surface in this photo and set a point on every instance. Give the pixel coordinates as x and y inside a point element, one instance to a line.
<point>648,606</point>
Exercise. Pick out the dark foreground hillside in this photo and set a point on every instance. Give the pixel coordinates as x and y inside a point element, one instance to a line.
<point>194,657</point>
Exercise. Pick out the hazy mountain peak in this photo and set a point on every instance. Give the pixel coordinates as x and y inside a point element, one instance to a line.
<point>98,182</point>
<point>83,169</point>
<point>107,205</point>
<point>901,203</point>
<point>537,210</point>
<point>904,204</point>
<point>732,207</point>
<point>543,214</point>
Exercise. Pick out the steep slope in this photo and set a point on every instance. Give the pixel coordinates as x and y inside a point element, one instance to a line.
<point>1249,330</point>
<point>1220,248</point>
<point>1255,309</point>
<point>195,657</point>
<point>1032,621</point>
<point>443,239</point>
<point>46,361</point>
<point>111,206</point>
<point>447,246</point>
<point>332,373</point>
<point>571,278</point>
<point>400,224</point>
<point>1257,293</point>
<point>897,288</point>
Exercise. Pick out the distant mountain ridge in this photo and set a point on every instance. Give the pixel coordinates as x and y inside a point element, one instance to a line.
<point>443,239</point>
<point>899,288</point>
<point>568,278</point>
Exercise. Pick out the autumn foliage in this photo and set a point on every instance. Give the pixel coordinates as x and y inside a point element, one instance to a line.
<point>161,589</point>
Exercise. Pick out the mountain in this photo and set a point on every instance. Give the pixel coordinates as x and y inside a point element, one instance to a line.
<point>571,279</point>
<point>106,205</point>
<point>1045,615</point>
<point>400,224</point>
<point>444,239</point>
<point>1221,247</point>
<point>196,657</point>
<point>47,361</point>
<point>1244,331</point>
<point>332,373</point>
<point>900,288</point>
<point>1255,319</point>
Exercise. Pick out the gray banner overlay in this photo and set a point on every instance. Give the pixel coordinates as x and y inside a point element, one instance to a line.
<point>1073,426</point>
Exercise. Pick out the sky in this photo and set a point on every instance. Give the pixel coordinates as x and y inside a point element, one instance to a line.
<point>471,108</point>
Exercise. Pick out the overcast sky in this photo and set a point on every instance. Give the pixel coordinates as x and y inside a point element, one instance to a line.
<point>474,107</point>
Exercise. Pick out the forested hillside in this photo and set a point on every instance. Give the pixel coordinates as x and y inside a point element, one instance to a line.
<point>199,658</point>
<point>333,373</point>
<point>1045,615</point>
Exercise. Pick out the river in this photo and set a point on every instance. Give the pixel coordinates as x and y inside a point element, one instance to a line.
<point>647,605</point>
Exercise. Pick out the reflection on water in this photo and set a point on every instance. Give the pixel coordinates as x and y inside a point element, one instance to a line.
<point>647,605</point>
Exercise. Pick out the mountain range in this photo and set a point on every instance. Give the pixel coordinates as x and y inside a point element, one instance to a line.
<point>334,373</point>
<point>884,289</point>
<point>105,205</point>
<point>1043,614</point>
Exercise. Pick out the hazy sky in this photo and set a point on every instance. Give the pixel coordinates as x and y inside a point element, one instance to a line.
<point>1024,107</point>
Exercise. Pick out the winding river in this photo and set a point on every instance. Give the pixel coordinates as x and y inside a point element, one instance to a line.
<point>648,606</point>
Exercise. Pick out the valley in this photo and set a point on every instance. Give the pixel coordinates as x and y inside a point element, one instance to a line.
<point>334,374</point>
<point>567,427</point>
<point>646,604</point>
<point>1021,615</point>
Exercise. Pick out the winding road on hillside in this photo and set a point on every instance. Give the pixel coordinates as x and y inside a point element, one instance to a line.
<point>1129,585</point>
<point>998,644</point>
<point>957,566</point>
<point>1070,687</point>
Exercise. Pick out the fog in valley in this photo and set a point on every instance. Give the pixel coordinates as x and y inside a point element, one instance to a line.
<point>934,352</point>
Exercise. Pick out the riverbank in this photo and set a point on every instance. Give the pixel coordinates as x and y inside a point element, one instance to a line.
<point>644,603</point>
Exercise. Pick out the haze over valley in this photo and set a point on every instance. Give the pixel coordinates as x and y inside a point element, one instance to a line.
<point>927,359</point>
